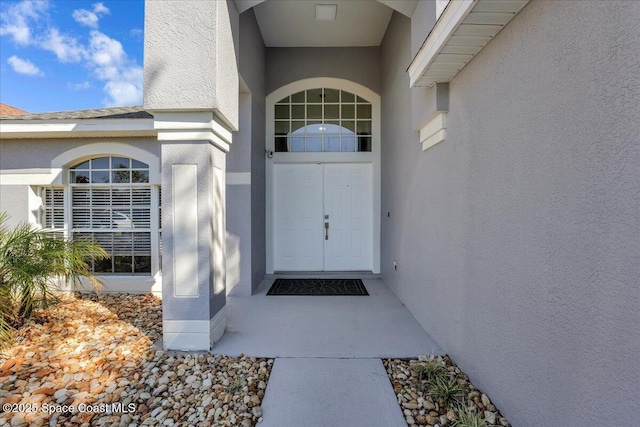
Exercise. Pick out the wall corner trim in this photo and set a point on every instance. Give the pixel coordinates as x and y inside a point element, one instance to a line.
<point>434,131</point>
<point>192,126</point>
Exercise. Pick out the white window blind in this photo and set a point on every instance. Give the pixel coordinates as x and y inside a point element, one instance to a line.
<point>52,211</point>
<point>111,206</point>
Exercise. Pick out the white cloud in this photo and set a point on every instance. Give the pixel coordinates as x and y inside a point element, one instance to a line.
<point>79,86</point>
<point>66,48</point>
<point>88,18</point>
<point>100,8</point>
<point>104,56</point>
<point>122,76</point>
<point>16,20</point>
<point>24,66</point>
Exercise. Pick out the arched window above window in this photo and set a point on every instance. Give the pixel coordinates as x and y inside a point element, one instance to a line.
<point>323,119</point>
<point>109,170</point>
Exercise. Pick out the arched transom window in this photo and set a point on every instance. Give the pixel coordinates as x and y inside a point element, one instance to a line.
<point>323,119</point>
<point>111,206</point>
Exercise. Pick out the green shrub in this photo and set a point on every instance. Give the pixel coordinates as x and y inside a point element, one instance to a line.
<point>31,262</point>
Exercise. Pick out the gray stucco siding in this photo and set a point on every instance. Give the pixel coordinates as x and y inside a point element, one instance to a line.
<point>253,70</point>
<point>517,238</point>
<point>14,200</point>
<point>38,153</point>
<point>357,64</point>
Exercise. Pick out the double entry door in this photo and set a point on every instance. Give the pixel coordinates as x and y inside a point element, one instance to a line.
<point>323,217</point>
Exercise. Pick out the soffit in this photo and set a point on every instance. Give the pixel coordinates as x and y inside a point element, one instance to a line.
<point>286,23</point>
<point>462,31</point>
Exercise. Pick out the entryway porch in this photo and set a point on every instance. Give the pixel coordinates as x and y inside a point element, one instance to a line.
<point>373,326</point>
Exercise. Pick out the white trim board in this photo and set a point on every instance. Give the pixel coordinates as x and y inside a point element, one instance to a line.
<point>192,126</point>
<point>40,176</point>
<point>434,131</point>
<point>193,335</point>
<point>76,128</point>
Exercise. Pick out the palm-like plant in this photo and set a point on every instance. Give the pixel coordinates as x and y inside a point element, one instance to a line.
<point>32,263</point>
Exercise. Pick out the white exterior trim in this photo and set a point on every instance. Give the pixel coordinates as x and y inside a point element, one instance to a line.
<point>39,176</point>
<point>372,157</point>
<point>193,335</point>
<point>192,126</point>
<point>106,149</point>
<point>12,129</point>
<point>132,284</point>
<point>463,29</point>
<point>434,131</point>
<point>449,21</point>
<point>218,325</point>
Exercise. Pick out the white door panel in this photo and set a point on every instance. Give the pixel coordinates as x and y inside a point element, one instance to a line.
<point>348,203</point>
<point>298,221</point>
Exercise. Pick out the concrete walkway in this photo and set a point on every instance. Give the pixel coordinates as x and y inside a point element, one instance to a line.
<point>330,393</point>
<point>327,370</point>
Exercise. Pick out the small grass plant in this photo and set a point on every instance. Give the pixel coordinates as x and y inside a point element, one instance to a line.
<point>236,385</point>
<point>445,390</point>
<point>430,369</point>
<point>468,416</point>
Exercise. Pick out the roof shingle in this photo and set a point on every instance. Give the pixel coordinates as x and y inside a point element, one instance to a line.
<point>136,112</point>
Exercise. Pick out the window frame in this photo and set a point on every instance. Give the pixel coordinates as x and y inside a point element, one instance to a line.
<point>153,230</point>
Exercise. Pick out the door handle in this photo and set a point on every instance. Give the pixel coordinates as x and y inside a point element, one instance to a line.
<point>326,231</point>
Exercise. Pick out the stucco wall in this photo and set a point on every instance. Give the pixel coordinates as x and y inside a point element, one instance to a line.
<point>38,153</point>
<point>358,64</point>
<point>190,57</point>
<point>239,204</point>
<point>14,200</point>
<point>517,238</point>
<point>206,157</point>
<point>252,68</point>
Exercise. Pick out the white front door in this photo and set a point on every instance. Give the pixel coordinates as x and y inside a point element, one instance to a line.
<point>323,217</point>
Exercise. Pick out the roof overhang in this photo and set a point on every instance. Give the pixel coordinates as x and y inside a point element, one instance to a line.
<point>463,29</point>
<point>406,7</point>
<point>85,128</point>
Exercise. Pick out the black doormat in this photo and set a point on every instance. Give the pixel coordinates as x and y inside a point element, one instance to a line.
<point>314,287</point>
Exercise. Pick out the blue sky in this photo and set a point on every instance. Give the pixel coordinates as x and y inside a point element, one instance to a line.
<point>68,55</point>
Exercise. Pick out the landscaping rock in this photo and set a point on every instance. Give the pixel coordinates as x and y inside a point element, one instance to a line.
<point>418,406</point>
<point>100,349</point>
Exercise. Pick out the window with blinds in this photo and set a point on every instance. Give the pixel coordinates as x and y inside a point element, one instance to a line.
<point>111,206</point>
<point>52,211</point>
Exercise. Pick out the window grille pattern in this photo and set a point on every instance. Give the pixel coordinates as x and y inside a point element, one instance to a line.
<point>111,206</point>
<point>323,120</point>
